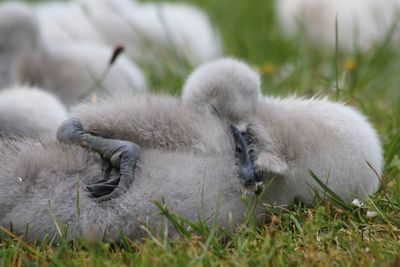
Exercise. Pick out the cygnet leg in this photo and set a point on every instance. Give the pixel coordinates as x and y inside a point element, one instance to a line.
<point>122,155</point>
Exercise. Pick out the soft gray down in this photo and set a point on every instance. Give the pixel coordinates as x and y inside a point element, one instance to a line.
<point>187,157</point>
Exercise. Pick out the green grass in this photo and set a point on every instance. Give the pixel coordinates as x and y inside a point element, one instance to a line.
<point>331,233</point>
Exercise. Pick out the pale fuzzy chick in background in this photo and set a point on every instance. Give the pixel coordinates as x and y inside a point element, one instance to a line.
<point>77,71</point>
<point>149,31</point>
<point>30,112</point>
<point>70,71</point>
<point>19,36</point>
<point>361,23</point>
<point>192,160</point>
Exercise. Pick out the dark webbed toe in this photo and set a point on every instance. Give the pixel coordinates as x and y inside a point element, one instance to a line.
<point>120,155</point>
<point>102,188</point>
<point>99,190</point>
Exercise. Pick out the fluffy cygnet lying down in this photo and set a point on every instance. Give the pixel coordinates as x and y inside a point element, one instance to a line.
<point>361,23</point>
<point>70,71</point>
<point>30,112</point>
<point>191,153</point>
<point>76,71</point>
<point>18,36</point>
<point>148,30</point>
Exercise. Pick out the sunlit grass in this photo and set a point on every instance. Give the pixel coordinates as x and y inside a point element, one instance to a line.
<point>331,233</point>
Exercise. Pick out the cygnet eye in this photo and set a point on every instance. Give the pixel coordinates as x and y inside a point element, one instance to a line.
<point>238,150</point>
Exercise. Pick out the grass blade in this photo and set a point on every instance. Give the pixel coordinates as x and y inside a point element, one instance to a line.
<point>335,198</point>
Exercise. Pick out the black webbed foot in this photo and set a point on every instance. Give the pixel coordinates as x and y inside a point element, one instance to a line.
<point>243,155</point>
<point>122,155</point>
<point>103,188</point>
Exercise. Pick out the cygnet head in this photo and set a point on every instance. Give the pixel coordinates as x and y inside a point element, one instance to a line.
<point>18,28</point>
<point>228,87</point>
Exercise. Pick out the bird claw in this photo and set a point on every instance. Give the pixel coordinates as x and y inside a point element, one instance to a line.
<point>113,195</point>
<point>122,155</point>
<point>106,190</point>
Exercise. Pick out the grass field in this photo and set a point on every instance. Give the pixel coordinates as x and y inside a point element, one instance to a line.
<point>324,235</point>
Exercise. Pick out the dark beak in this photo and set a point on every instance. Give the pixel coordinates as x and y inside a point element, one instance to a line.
<point>243,150</point>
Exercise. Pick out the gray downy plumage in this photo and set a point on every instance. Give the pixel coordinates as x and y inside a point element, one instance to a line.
<point>187,161</point>
<point>72,72</point>
<point>30,112</point>
<point>19,36</point>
